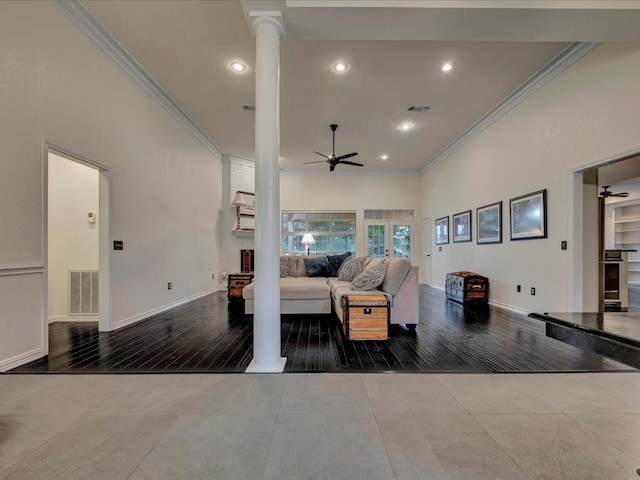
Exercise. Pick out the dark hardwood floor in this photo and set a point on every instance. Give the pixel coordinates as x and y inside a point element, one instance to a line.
<point>206,336</point>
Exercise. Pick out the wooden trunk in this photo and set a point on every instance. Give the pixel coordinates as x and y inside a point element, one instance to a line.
<point>366,317</point>
<point>236,282</point>
<point>467,287</point>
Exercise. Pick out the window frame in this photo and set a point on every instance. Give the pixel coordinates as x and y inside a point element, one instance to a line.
<point>328,233</point>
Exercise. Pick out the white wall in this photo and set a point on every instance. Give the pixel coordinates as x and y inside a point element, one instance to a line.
<point>237,174</point>
<point>165,185</point>
<point>73,241</point>
<point>331,192</point>
<point>587,114</point>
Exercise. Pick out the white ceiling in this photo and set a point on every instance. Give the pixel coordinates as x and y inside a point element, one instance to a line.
<point>187,47</point>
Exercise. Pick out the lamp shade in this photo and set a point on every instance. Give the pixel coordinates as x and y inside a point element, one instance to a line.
<point>239,200</point>
<point>307,239</point>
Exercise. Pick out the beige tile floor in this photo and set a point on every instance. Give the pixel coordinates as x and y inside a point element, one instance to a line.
<point>320,426</point>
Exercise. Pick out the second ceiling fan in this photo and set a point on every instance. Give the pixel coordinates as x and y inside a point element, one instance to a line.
<point>332,160</point>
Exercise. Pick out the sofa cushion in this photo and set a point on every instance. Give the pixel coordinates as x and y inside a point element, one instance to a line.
<point>285,263</point>
<point>291,288</point>
<point>296,267</point>
<point>335,262</point>
<point>372,262</point>
<point>351,268</point>
<point>303,288</point>
<point>370,278</point>
<point>397,271</point>
<point>317,266</point>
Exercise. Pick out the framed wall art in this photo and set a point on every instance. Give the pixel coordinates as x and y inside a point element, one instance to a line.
<point>489,224</point>
<point>528,215</point>
<point>442,230</point>
<point>462,227</point>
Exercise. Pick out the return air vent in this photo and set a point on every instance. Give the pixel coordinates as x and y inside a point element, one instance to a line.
<point>418,108</point>
<point>83,292</point>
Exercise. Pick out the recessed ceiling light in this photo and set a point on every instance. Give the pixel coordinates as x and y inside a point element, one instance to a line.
<point>447,67</point>
<point>340,67</point>
<point>238,66</point>
<point>405,126</point>
<point>384,157</point>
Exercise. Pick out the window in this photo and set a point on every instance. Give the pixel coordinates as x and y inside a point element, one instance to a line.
<point>333,232</point>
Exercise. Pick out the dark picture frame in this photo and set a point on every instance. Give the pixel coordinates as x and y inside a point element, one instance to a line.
<point>442,230</point>
<point>247,258</point>
<point>489,224</point>
<point>528,216</point>
<point>462,227</point>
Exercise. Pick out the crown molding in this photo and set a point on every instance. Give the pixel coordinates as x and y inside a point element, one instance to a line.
<point>81,18</point>
<point>247,162</point>
<point>377,173</point>
<point>565,59</point>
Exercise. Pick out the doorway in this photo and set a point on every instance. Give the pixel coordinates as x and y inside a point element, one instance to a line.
<point>76,236</point>
<point>426,247</point>
<point>389,233</point>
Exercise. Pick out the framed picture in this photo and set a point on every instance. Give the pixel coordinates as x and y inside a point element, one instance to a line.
<point>246,260</point>
<point>489,224</point>
<point>462,227</point>
<point>442,230</point>
<point>529,216</point>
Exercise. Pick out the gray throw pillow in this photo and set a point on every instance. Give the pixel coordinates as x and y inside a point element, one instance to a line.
<point>284,266</point>
<point>336,261</point>
<point>370,278</point>
<point>351,268</point>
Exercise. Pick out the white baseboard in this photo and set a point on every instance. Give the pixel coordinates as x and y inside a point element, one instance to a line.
<point>511,308</point>
<point>21,359</point>
<point>505,306</point>
<point>222,288</point>
<point>141,316</point>
<point>67,318</point>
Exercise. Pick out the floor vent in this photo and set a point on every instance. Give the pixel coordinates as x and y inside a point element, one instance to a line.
<point>83,292</point>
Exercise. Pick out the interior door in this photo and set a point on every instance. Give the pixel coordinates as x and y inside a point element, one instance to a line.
<point>425,271</point>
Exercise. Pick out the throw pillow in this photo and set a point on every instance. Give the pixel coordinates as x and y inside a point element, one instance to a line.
<point>284,266</point>
<point>317,267</point>
<point>370,278</point>
<point>335,262</point>
<point>351,268</point>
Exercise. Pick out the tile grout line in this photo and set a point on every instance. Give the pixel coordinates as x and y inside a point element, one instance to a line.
<point>375,418</point>
<point>135,468</point>
<point>273,431</point>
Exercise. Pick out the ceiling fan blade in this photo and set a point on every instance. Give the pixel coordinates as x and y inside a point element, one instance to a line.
<point>348,155</point>
<point>352,163</point>
<point>621,194</point>
<point>332,167</point>
<point>317,161</point>
<point>322,155</point>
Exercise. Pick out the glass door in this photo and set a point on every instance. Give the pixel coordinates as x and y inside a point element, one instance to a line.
<point>389,238</point>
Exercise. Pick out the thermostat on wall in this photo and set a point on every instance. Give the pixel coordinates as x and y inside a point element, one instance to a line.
<point>91,217</point>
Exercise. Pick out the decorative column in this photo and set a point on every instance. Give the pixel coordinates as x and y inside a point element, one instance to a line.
<point>268,27</point>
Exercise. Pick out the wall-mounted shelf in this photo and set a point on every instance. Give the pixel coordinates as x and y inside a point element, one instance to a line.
<point>244,233</point>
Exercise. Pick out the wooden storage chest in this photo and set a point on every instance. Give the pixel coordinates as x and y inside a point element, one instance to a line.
<point>465,287</point>
<point>236,282</point>
<point>366,317</point>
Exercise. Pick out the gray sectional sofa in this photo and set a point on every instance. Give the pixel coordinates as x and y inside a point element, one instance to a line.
<point>301,294</point>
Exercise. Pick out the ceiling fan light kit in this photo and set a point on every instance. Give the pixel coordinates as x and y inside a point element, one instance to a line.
<point>332,160</point>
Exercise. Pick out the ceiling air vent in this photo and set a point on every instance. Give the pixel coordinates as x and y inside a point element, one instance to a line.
<point>418,108</point>
<point>250,108</point>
